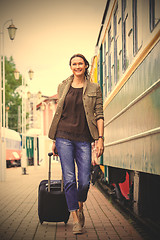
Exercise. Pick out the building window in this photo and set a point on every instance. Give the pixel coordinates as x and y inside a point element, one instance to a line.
<point>154,13</point>
<point>109,61</point>
<point>115,46</point>
<point>134,15</point>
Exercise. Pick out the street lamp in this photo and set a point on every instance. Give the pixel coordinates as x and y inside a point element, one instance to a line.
<point>30,72</point>
<point>11,30</point>
<point>16,74</point>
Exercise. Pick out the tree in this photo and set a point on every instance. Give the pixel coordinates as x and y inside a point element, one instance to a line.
<point>13,99</point>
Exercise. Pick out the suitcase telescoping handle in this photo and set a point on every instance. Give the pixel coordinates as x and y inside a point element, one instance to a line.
<point>49,174</point>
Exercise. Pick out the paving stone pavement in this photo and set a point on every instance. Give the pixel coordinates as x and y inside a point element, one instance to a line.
<point>19,211</point>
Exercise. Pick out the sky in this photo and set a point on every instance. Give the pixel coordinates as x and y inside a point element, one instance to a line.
<point>48,33</point>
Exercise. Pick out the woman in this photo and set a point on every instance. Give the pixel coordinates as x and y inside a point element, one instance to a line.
<point>78,122</point>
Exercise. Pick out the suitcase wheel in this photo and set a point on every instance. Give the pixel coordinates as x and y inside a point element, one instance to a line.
<point>41,222</point>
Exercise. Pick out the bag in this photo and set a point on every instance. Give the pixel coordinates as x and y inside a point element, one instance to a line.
<point>52,205</point>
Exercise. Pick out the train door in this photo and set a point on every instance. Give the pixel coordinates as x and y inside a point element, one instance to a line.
<point>101,81</point>
<point>29,149</point>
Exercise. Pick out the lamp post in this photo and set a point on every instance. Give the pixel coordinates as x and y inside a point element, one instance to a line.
<point>12,31</point>
<point>7,109</point>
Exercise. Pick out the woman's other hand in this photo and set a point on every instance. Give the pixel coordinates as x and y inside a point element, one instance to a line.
<point>100,142</point>
<point>100,147</point>
<point>54,149</point>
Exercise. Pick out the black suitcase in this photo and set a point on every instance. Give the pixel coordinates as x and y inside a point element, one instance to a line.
<point>52,205</point>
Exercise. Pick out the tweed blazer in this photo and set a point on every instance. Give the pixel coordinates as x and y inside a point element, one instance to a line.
<point>92,101</point>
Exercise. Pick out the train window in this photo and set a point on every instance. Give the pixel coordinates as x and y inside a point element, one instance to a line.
<point>115,46</point>
<point>109,61</point>
<point>7,143</point>
<point>105,69</point>
<point>154,13</point>
<point>124,5</point>
<point>134,15</point>
<point>124,60</point>
<point>27,143</point>
<point>101,67</point>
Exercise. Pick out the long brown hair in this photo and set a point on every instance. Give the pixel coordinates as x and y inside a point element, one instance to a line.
<point>85,61</point>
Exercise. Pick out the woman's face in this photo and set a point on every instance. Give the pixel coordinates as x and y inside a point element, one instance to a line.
<point>78,66</point>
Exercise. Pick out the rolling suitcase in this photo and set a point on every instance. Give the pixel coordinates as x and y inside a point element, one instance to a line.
<point>52,205</point>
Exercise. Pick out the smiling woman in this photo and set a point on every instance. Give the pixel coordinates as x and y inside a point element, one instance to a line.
<point>78,121</point>
<point>79,66</point>
<point>79,59</point>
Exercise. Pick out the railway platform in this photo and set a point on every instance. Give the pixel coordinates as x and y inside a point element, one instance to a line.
<point>19,211</point>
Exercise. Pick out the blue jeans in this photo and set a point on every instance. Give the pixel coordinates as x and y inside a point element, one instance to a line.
<point>69,153</point>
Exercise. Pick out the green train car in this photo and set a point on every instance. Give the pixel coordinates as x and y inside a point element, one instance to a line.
<point>30,141</point>
<point>30,150</point>
<point>127,67</point>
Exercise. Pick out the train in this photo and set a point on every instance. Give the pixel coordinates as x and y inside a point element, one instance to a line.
<point>126,64</point>
<point>30,150</point>
<point>13,148</point>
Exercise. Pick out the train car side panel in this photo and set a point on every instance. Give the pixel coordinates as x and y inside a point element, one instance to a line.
<point>136,123</point>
